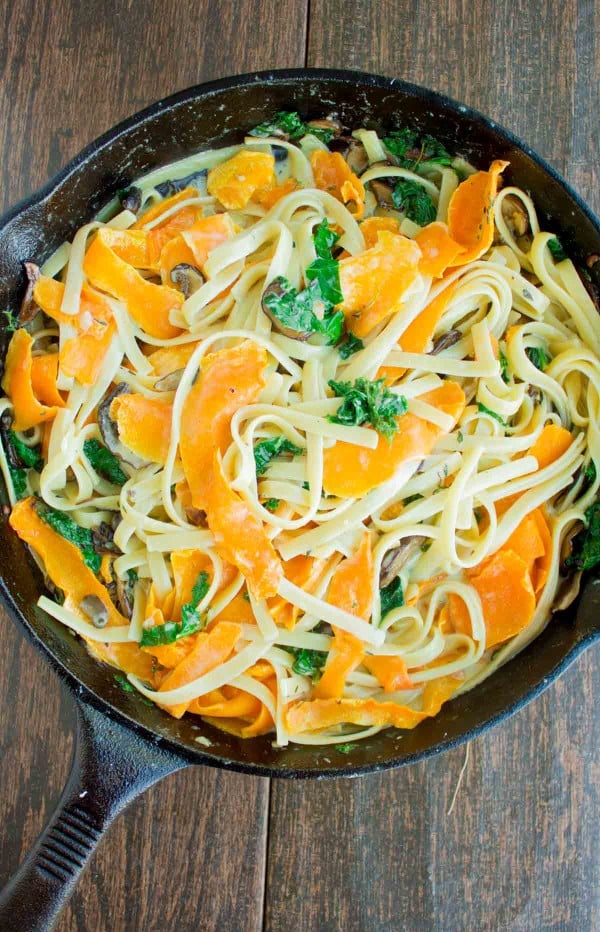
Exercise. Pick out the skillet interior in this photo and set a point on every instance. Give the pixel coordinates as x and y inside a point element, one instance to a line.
<point>213,115</point>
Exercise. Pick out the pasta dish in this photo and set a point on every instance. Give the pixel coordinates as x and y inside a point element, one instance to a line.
<point>303,432</point>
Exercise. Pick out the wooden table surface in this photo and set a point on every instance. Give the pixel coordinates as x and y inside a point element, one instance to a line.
<point>209,850</point>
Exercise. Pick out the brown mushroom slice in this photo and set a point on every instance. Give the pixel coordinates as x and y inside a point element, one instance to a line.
<point>124,599</point>
<point>469,387</point>
<point>396,558</point>
<point>328,123</point>
<point>131,199</point>
<point>95,609</point>
<point>445,341</point>
<point>356,157</point>
<point>169,382</point>
<point>29,308</point>
<point>187,278</point>
<point>110,431</point>
<point>277,288</point>
<point>515,216</point>
<point>535,394</point>
<point>103,538</point>
<point>382,192</point>
<point>6,420</point>
<point>196,516</point>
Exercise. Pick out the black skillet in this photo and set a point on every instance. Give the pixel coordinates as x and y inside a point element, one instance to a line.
<point>123,746</point>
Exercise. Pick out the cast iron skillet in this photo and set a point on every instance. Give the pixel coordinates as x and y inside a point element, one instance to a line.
<point>123,746</point>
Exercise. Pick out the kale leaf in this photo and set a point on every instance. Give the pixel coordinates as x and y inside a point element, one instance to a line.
<point>29,456</point>
<point>586,550</point>
<point>556,249</point>
<point>412,151</point>
<point>412,198</point>
<point>74,533</point>
<point>350,346</point>
<point>538,356</point>
<point>104,462</point>
<point>289,123</point>
<point>271,504</point>
<point>391,596</point>
<point>190,623</point>
<point>308,662</point>
<point>484,410</point>
<point>266,450</point>
<point>368,402</point>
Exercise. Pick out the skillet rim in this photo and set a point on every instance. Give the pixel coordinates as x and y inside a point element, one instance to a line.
<point>84,694</point>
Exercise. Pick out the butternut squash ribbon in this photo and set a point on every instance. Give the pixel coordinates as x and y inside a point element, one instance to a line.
<point>374,281</point>
<point>351,589</point>
<point>471,213</point>
<point>18,383</point>
<point>415,438</point>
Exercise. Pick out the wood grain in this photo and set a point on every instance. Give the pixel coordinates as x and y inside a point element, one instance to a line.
<point>373,854</point>
<point>190,854</point>
<point>519,850</point>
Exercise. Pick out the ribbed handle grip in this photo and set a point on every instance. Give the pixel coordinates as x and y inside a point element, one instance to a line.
<point>111,766</point>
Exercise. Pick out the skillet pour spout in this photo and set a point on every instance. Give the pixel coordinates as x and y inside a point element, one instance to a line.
<point>124,746</point>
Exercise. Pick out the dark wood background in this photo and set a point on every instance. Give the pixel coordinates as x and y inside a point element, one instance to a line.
<point>206,850</point>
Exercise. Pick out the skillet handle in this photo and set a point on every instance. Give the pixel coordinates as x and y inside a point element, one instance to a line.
<point>111,766</point>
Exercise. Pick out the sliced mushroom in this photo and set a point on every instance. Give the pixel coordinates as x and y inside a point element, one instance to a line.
<point>566,549</point>
<point>124,597</point>
<point>445,341</point>
<point>356,157</point>
<point>95,609</point>
<point>131,199</point>
<point>341,144</point>
<point>328,123</point>
<point>396,558</point>
<point>187,278</point>
<point>383,192</point>
<point>515,216</point>
<point>470,389</point>
<point>110,432</point>
<point>535,394</point>
<point>103,538</point>
<point>6,420</point>
<point>196,516</point>
<point>169,382</point>
<point>276,287</point>
<point>175,185</point>
<point>28,306</point>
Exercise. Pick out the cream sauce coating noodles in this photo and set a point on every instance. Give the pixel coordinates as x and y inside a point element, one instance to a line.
<point>301,436</point>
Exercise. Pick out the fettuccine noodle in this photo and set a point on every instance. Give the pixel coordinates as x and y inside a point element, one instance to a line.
<point>300,431</point>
